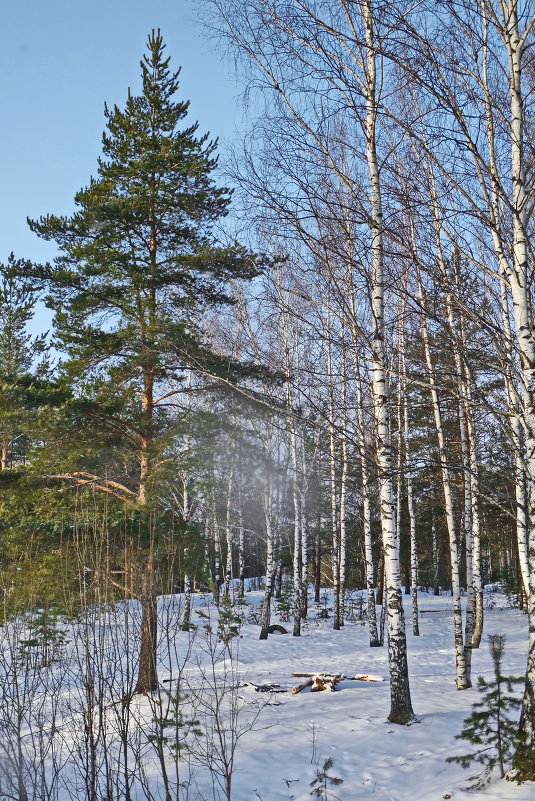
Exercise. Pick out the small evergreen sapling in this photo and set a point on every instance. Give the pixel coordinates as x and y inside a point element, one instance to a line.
<point>285,601</point>
<point>321,784</point>
<point>46,640</point>
<point>490,725</point>
<point>228,623</point>
<point>168,715</point>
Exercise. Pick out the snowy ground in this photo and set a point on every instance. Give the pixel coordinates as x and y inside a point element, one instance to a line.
<point>280,756</point>
<point>375,759</point>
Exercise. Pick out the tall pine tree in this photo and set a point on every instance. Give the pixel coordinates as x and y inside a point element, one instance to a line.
<point>137,271</point>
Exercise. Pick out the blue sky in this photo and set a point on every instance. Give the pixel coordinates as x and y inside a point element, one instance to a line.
<point>60,60</point>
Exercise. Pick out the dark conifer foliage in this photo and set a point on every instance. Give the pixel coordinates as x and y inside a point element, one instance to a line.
<point>490,726</point>
<point>138,266</point>
<point>23,361</point>
<point>138,269</point>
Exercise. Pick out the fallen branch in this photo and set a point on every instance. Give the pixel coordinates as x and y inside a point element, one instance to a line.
<point>327,681</point>
<point>264,688</point>
<point>276,629</point>
<point>299,687</point>
<point>317,682</point>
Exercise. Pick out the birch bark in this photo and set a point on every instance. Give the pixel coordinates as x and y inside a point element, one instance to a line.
<point>229,536</point>
<point>344,470</point>
<point>401,707</point>
<point>294,464</point>
<point>496,205</point>
<point>462,679</point>
<point>366,501</point>
<point>270,561</point>
<point>408,478</point>
<point>333,484</point>
<point>515,44</point>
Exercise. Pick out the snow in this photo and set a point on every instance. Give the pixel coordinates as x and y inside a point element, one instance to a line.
<point>375,759</point>
<point>293,735</point>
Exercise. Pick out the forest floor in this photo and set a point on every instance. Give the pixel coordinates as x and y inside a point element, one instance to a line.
<point>273,743</point>
<point>375,759</point>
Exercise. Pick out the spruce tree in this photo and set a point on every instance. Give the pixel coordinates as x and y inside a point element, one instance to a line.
<point>490,726</point>
<point>138,270</point>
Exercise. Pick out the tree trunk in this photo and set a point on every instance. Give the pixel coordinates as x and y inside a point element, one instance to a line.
<point>229,587</point>
<point>462,678</point>
<point>4,454</point>
<point>436,562</point>
<point>317,560</point>
<point>147,679</point>
<point>476,527</point>
<point>343,495</point>
<point>366,505</point>
<point>188,592</point>
<point>400,699</point>
<point>335,558</point>
<point>271,567</point>
<point>470,620</point>
<point>410,495</point>
<point>515,44</point>
<point>188,583</point>
<point>241,552</point>
<point>297,552</point>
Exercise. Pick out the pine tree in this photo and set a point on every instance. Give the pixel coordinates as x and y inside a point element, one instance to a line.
<point>137,271</point>
<point>23,360</point>
<point>489,725</point>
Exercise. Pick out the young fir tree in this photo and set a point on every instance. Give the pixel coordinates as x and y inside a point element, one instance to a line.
<point>489,726</point>
<point>23,361</point>
<point>137,270</point>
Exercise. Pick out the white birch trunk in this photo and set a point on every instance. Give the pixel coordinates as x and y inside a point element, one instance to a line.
<point>410,494</point>
<point>333,484</point>
<point>468,537</point>
<point>343,494</point>
<point>520,292</point>
<point>436,565</point>
<point>509,357</point>
<point>229,586</point>
<point>188,584</point>
<point>366,503</point>
<point>217,554</point>
<point>509,354</point>
<point>401,707</point>
<point>270,561</point>
<point>476,525</point>
<point>297,552</point>
<point>399,469</point>
<point>304,529</point>
<point>297,568</point>
<point>241,552</point>
<point>474,599</point>
<point>462,680</point>
<point>517,438</point>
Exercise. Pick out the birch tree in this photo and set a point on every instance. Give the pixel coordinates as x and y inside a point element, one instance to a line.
<point>284,45</point>
<point>491,41</point>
